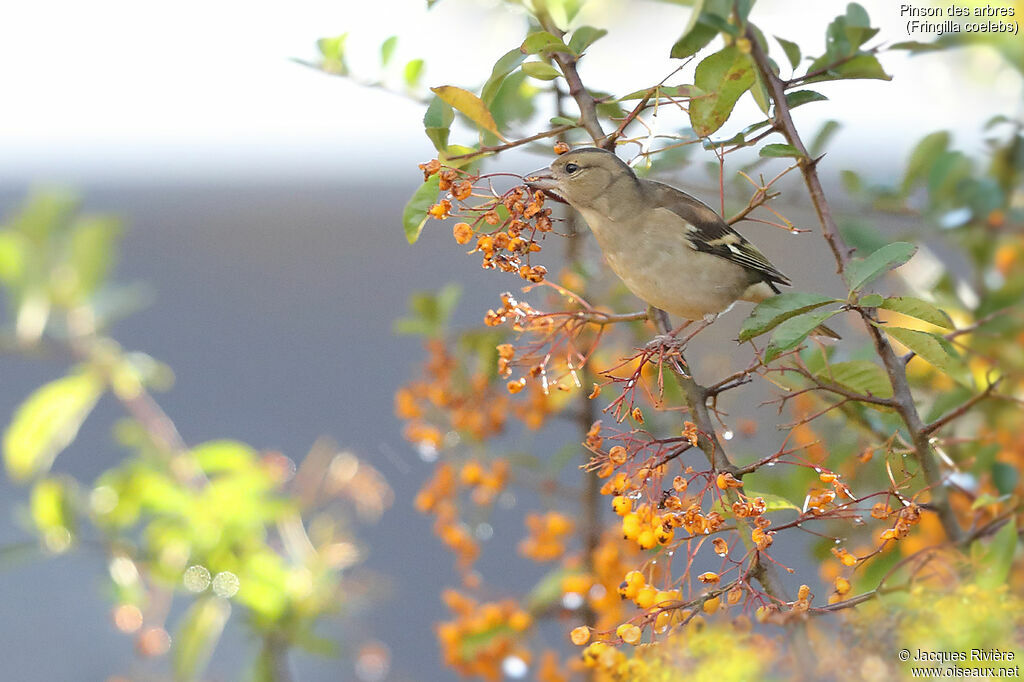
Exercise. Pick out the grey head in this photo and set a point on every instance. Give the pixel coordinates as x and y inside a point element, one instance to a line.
<point>581,176</point>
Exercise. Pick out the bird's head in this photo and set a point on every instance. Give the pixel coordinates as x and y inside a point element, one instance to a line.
<point>581,176</point>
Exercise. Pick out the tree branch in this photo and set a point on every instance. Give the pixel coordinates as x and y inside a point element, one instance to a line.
<point>903,399</point>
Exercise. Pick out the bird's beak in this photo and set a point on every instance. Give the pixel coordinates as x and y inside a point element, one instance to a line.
<point>544,181</point>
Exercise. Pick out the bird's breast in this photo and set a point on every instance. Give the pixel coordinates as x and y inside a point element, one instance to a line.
<point>655,260</point>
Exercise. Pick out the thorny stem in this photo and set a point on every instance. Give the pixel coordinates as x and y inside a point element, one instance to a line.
<point>903,399</point>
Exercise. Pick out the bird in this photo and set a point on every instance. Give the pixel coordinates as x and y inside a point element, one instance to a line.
<point>670,249</point>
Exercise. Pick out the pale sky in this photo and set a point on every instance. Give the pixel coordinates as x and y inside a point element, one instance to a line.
<point>129,89</point>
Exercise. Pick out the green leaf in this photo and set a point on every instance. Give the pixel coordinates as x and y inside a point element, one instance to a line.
<point>540,71</point>
<point>759,91</point>
<point>543,43</point>
<point>197,636</point>
<point>993,560</point>
<point>224,456</point>
<point>792,51</point>
<point>688,91</point>
<point>862,376</point>
<point>693,41</point>
<point>724,75</point>
<point>1005,477</point>
<point>772,503</point>
<point>923,157</point>
<point>93,242</point>
<point>430,313</point>
<point>470,105</point>
<point>918,308</point>
<point>700,29</point>
<point>563,121</point>
<point>792,332</point>
<point>505,65</point>
<point>773,311</point>
<point>413,72</point>
<point>14,251</point>
<point>800,97</point>
<point>916,46</point>
<point>415,213</point>
<point>862,271</point>
<point>47,422</point>
<point>871,300</point>
<point>779,150</point>
<point>333,52</point>
<point>584,37</point>
<point>387,50</point>
<point>51,509</point>
<point>822,138</point>
<point>934,350</point>
<point>864,66</point>
<point>437,122</point>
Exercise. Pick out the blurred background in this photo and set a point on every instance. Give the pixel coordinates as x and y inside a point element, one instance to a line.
<point>263,203</point>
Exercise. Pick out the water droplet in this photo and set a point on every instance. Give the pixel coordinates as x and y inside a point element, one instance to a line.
<point>514,667</point>
<point>837,541</point>
<point>196,578</point>
<point>771,463</point>
<point>727,435</point>
<point>225,584</point>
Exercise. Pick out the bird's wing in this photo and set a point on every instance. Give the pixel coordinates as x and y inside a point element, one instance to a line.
<point>708,233</point>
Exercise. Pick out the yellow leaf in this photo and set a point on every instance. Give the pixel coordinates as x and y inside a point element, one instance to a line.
<point>470,105</point>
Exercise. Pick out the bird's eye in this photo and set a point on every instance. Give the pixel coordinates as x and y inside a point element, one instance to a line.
<point>571,168</point>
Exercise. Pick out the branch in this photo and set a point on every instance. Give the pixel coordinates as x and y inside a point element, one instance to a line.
<point>515,143</point>
<point>584,100</point>
<point>903,399</point>
<point>960,411</point>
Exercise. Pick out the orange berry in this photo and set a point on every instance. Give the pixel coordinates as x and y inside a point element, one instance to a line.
<point>803,592</point>
<point>561,147</point>
<point>519,621</point>
<point>646,597</point>
<point>712,605</point>
<point>734,595</point>
<point>842,585</point>
<point>727,480</point>
<point>617,455</point>
<point>580,636</point>
<point>628,633</point>
<point>647,539</point>
<point>826,477</point>
<point>709,578</point>
<point>638,416</point>
<point>516,385</point>
<point>622,505</point>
